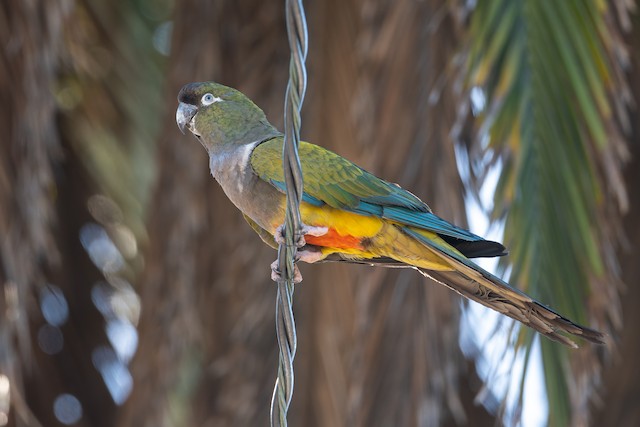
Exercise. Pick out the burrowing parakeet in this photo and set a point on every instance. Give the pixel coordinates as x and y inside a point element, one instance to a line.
<point>350,215</point>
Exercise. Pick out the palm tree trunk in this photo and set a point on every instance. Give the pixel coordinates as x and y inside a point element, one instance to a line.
<point>618,405</point>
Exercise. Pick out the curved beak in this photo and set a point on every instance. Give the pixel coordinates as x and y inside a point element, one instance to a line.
<point>184,114</point>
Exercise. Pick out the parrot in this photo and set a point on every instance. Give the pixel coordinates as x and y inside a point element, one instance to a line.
<point>348,214</point>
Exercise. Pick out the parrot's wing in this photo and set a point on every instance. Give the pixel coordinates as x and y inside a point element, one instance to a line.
<point>332,180</point>
<point>335,181</point>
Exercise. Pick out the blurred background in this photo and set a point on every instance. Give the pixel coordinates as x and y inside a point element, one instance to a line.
<point>133,294</point>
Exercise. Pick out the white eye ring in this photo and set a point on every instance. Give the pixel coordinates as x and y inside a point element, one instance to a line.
<point>208,99</point>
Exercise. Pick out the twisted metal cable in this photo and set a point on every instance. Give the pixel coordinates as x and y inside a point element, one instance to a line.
<point>285,323</point>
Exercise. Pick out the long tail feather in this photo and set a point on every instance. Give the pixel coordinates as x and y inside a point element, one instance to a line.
<point>523,309</point>
<point>479,285</point>
<point>530,313</point>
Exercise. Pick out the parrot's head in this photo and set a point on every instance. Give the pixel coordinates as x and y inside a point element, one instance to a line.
<point>219,115</point>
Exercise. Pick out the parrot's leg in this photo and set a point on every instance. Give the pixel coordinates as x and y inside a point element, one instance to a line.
<point>306,229</point>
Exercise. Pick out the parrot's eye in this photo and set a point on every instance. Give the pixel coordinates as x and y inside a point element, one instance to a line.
<point>208,99</point>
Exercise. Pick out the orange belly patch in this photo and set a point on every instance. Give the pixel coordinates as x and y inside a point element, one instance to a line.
<point>334,240</point>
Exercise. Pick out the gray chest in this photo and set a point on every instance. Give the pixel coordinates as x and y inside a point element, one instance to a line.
<point>254,197</point>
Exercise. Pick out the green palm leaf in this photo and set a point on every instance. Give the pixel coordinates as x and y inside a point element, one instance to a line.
<point>547,72</point>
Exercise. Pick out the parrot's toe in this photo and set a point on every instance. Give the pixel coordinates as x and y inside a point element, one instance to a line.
<point>304,230</point>
<point>279,235</point>
<point>310,255</point>
<point>276,275</point>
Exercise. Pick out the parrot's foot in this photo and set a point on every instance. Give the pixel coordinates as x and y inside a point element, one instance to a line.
<point>309,256</point>
<point>276,275</point>
<point>306,229</point>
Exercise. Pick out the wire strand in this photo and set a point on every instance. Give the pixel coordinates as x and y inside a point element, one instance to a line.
<point>285,322</point>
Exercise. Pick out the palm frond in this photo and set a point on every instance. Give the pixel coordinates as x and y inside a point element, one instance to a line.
<point>551,75</point>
